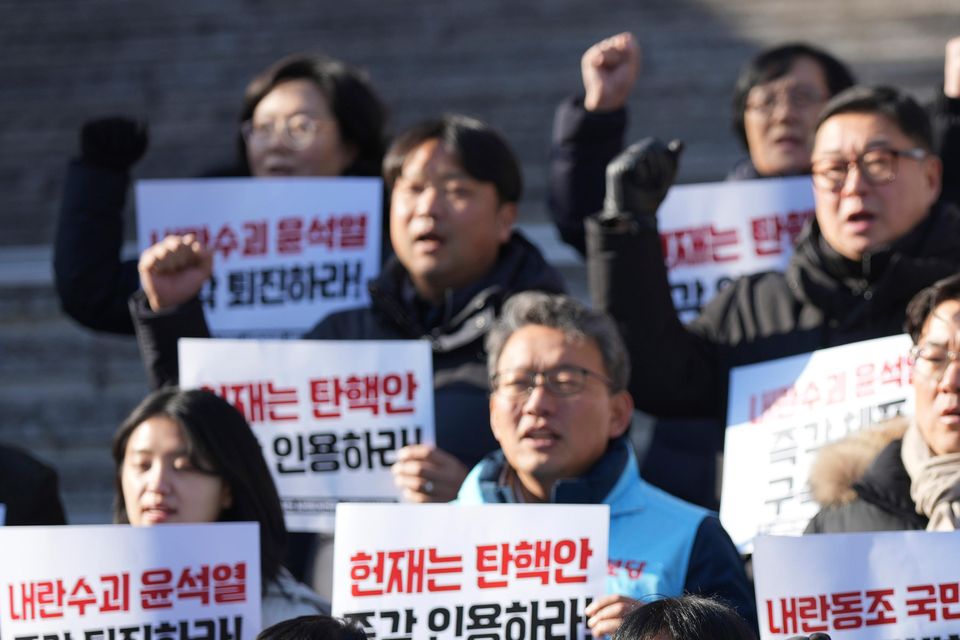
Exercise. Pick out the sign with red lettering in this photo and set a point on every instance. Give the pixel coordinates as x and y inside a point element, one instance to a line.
<point>780,413</point>
<point>190,580</point>
<point>287,251</point>
<point>330,415</point>
<point>858,586</point>
<point>452,571</point>
<point>712,233</point>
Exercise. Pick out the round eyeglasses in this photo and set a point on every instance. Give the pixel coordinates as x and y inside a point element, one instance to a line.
<point>295,132</point>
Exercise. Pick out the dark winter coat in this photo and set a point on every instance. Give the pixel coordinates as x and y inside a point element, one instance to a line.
<point>866,490</point>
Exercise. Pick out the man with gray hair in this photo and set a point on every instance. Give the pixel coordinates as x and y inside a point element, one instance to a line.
<point>559,410</point>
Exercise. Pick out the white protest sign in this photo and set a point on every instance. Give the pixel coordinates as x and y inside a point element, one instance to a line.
<point>124,582</point>
<point>329,415</point>
<point>712,233</point>
<point>287,251</point>
<point>859,586</point>
<point>452,571</point>
<point>781,412</point>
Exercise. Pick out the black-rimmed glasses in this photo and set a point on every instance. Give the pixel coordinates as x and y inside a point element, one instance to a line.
<point>878,166</point>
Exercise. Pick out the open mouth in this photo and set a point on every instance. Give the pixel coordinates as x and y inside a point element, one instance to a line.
<point>540,438</point>
<point>860,221</point>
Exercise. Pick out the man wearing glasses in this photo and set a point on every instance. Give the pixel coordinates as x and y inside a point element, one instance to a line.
<point>559,410</point>
<point>877,239</point>
<point>914,482</point>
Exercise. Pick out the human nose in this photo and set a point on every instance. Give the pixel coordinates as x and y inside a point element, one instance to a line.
<point>855,184</point>
<point>429,201</point>
<point>159,478</point>
<point>950,378</point>
<point>538,400</point>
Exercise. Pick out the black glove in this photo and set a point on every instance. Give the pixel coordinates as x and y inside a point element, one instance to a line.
<point>638,179</point>
<point>115,142</point>
<point>812,636</point>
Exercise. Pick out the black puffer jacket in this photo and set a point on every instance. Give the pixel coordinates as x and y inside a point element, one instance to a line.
<point>456,332</point>
<point>875,499</point>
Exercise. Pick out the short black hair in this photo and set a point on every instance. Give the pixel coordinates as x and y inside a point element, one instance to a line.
<point>318,627</point>
<point>219,441</point>
<point>776,62</point>
<point>360,114</point>
<point>481,151</point>
<point>923,304</point>
<point>689,617</point>
<point>898,107</point>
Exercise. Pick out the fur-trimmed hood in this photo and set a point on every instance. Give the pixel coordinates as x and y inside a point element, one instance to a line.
<point>841,464</point>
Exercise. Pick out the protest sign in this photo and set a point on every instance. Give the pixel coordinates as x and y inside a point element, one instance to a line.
<point>120,582</point>
<point>859,586</point>
<point>712,233</point>
<point>329,415</point>
<point>781,412</point>
<point>287,251</point>
<point>451,571</point>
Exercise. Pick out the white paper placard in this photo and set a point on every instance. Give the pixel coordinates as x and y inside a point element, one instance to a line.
<point>119,581</point>
<point>329,415</point>
<point>859,586</point>
<point>781,412</point>
<point>712,233</point>
<point>448,571</point>
<point>288,251</point>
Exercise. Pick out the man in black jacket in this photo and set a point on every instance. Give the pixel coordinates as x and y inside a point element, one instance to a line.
<point>878,238</point>
<point>913,482</point>
<point>454,186</point>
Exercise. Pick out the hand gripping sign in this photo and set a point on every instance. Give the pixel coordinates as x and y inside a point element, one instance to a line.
<point>482,571</point>
<point>329,415</point>
<point>287,252</point>
<point>780,414</point>
<point>118,582</point>
<point>859,586</point>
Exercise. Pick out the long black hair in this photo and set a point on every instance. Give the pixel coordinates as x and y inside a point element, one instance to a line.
<point>219,441</point>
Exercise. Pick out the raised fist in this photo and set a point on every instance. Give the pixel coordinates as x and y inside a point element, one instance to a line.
<point>610,69</point>
<point>173,271</point>
<point>638,179</point>
<point>117,143</point>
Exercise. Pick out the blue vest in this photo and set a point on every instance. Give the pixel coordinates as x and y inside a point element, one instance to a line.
<point>651,532</point>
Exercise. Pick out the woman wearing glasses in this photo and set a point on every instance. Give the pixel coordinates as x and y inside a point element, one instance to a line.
<point>302,116</point>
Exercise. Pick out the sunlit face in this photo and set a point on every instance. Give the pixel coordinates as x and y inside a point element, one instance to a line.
<point>545,437</point>
<point>863,217</point>
<point>317,150</point>
<point>780,116</point>
<point>446,227</point>
<point>938,402</point>
<point>159,482</point>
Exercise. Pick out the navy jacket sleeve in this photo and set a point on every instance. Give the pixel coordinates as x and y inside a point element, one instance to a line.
<point>583,144</point>
<point>158,332</point>
<point>676,371</point>
<point>92,282</point>
<point>716,569</point>
<point>945,118</point>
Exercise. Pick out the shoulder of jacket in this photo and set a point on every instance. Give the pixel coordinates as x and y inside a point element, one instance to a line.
<point>841,464</point>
